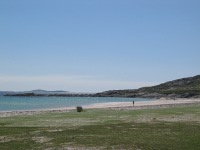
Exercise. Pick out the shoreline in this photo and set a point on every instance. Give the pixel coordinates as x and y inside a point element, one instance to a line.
<point>157,103</point>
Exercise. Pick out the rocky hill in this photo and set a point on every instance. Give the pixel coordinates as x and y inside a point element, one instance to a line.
<point>181,88</point>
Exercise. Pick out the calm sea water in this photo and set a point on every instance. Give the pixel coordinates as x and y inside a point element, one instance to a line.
<point>33,103</point>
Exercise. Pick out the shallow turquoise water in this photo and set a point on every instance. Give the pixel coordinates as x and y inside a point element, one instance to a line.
<point>33,103</point>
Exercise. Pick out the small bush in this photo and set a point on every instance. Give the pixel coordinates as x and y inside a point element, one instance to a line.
<point>79,109</point>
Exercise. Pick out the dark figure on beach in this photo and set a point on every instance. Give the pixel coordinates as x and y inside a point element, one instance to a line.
<point>133,103</point>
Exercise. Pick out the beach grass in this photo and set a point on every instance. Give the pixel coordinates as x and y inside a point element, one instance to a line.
<point>169,128</point>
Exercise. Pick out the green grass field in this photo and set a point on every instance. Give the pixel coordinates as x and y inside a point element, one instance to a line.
<point>170,128</point>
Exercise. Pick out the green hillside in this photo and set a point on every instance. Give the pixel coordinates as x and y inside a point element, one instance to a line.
<point>181,88</point>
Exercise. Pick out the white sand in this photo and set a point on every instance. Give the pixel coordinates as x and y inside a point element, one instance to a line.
<point>161,103</point>
<point>144,103</point>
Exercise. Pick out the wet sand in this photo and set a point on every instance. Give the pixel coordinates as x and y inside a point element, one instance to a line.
<point>160,103</point>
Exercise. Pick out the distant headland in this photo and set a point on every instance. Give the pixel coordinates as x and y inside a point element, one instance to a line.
<point>180,88</point>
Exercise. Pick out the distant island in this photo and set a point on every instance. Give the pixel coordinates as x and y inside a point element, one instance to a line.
<point>40,92</point>
<point>181,88</point>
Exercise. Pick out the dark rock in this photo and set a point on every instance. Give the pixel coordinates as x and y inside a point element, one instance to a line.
<point>79,109</point>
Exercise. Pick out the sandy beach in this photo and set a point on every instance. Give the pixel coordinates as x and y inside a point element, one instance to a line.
<point>160,103</point>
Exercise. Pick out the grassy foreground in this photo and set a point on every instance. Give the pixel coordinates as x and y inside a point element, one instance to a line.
<point>170,128</point>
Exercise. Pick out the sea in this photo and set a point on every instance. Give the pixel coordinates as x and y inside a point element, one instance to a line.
<point>12,103</point>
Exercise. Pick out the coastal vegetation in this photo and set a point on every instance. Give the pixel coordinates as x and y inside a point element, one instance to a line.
<point>181,88</point>
<point>79,109</point>
<point>170,128</point>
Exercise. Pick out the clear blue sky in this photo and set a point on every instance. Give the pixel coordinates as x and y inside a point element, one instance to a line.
<point>96,45</point>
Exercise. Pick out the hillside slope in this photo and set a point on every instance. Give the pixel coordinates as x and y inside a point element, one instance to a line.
<point>181,88</point>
